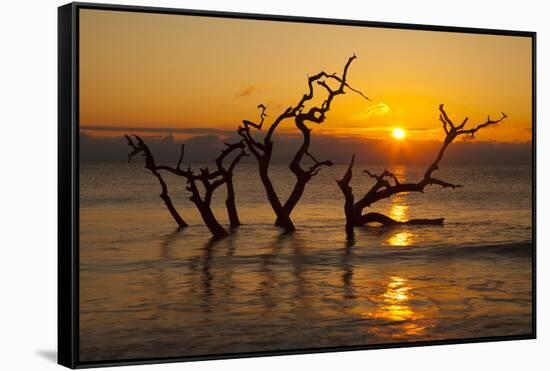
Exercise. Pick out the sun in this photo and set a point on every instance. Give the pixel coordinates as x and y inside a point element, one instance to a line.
<point>398,133</point>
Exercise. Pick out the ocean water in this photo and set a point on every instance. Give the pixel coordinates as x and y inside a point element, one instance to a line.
<point>148,290</point>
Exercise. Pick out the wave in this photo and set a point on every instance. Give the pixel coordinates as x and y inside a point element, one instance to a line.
<point>319,258</point>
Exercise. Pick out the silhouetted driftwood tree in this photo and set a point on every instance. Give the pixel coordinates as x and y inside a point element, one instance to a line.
<point>140,147</point>
<point>387,184</point>
<point>227,174</point>
<point>262,150</point>
<point>209,180</point>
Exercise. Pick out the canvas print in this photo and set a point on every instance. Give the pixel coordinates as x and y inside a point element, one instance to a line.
<point>259,186</point>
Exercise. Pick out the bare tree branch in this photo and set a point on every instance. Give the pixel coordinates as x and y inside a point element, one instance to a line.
<point>315,114</point>
<point>209,180</point>
<point>262,150</point>
<point>150,164</point>
<point>247,123</point>
<point>227,178</point>
<point>383,188</point>
<point>255,147</point>
<point>181,156</point>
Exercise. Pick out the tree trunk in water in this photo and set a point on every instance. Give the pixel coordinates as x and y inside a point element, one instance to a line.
<point>210,220</point>
<point>349,200</point>
<point>282,214</point>
<point>348,211</point>
<point>168,202</point>
<point>173,211</point>
<point>234,221</point>
<point>283,218</point>
<point>294,197</point>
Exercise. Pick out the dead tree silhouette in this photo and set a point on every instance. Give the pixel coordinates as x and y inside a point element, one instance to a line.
<point>210,181</point>
<point>262,150</point>
<point>141,147</point>
<point>387,184</point>
<point>227,174</point>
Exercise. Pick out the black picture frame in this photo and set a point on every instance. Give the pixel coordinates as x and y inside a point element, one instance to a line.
<point>68,180</point>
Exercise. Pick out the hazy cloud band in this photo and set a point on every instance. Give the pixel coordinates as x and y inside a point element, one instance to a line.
<point>131,129</point>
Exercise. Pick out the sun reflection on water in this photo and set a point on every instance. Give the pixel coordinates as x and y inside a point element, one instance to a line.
<point>400,172</point>
<point>401,238</point>
<point>395,306</point>
<point>399,210</point>
<point>395,299</point>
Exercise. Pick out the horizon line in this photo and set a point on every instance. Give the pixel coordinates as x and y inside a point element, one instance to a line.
<point>215,131</point>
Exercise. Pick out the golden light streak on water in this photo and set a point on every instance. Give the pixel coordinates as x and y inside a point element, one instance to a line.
<point>401,238</point>
<point>395,306</point>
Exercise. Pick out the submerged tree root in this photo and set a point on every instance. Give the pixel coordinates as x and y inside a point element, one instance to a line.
<point>386,220</point>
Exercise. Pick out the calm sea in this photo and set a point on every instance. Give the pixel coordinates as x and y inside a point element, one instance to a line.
<point>147,290</point>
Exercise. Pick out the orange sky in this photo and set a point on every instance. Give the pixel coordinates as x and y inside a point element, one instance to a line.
<point>169,71</point>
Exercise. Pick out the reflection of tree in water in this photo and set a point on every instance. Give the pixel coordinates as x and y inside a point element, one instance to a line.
<point>207,275</point>
<point>166,261</point>
<point>298,261</point>
<point>347,270</point>
<point>294,245</point>
<point>168,240</point>
<point>207,267</point>
<point>269,281</point>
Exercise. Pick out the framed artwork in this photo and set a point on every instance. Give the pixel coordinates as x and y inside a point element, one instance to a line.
<point>237,185</point>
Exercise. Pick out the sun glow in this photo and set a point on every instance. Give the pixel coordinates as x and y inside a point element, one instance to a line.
<point>398,133</point>
<point>395,305</point>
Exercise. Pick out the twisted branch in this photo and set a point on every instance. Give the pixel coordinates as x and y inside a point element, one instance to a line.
<point>262,149</point>
<point>210,181</point>
<point>141,147</point>
<point>263,115</point>
<point>385,188</point>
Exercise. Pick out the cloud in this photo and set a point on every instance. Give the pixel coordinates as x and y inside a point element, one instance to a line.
<point>249,90</point>
<point>205,148</point>
<point>375,110</point>
<point>200,148</point>
<point>136,129</point>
